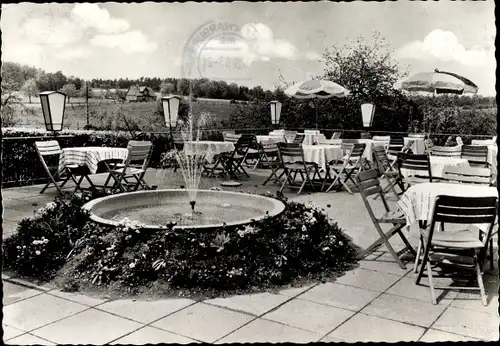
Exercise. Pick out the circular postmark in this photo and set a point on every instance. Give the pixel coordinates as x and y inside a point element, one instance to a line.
<point>216,50</point>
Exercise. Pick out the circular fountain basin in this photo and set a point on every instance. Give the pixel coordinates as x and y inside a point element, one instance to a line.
<point>157,208</point>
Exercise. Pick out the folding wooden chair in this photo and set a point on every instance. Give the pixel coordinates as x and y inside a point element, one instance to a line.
<point>470,175</point>
<point>352,164</point>
<point>446,151</point>
<point>52,149</point>
<point>232,163</point>
<point>252,152</point>
<point>465,248</point>
<point>135,166</point>
<point>383,141</point>
<point>271,159</point>
<point>412,162</point>
<point>299,138</point>
<point>369,184</point>
<point>477,155</point>
<point>289,136</point>
<point>387,171</point>
<point>395,147</point>
<point>293,153</point>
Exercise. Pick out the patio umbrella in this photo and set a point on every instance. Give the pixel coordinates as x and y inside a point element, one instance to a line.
<point>439,82</point>
<point>316,89</point>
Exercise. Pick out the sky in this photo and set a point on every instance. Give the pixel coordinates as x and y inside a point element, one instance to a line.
<point>245,42</point>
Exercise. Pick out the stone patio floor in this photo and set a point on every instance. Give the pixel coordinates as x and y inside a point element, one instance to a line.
<point>377,301</point>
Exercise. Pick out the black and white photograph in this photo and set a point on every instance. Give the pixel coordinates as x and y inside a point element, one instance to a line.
<point>249,172</point>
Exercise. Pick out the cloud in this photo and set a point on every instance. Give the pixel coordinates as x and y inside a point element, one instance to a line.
<point>92,16</point>
<point>74,53</point>
<point>24,53</point>
<point>51,31</point>
<point>261,42</point>
<point>313,56</point>
<point>444,46</point>
<point>129,42</point>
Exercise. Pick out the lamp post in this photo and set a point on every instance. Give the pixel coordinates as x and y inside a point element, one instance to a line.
<point>275,112</point>
<point>53,103</point>
<point>171,110</point>
<point>367,112</point>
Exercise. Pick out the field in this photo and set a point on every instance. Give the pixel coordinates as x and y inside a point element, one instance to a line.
<point>108,112</point>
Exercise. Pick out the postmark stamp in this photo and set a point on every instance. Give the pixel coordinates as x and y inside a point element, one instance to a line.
<point>216,50</point>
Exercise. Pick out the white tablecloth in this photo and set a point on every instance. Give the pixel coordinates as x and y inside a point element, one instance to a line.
<point>209,148</point>
<point>417,203</point>
<point>438,165</point>
<point>368,154</point>
<point>311,138</point>
<point>271,137</point>
<point>320,154</point>
<point>418,146</point>
<point>90,156</point>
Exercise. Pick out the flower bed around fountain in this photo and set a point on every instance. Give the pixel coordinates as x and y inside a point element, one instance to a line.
<point>63,245</point>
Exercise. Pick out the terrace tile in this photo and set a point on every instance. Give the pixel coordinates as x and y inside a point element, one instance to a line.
<point>364,328</point>
<point>255,304</point>
<point>433,335</point>
<point>368,279</point>
<point>9,332</point>
<point>13,293</point>
<point>472,301</point>
<point>20,212</point>
<point>150,335</point>
<point>480,325</point>
<point>404,309</point>
<point>406,287</point>
<point>28,339</point>
<point>203,322</point>
<point>78,298</point>
<point>295,291</point>
<point>384,265</point>
<point>33,313</point>
<point>340,296</point>
<point>8,228</point>
<point>271,332</point>
<point>310,316</point>
<point>145,311</point>
<point>88,327</point>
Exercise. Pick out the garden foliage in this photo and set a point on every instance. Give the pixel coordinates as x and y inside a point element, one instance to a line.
<point>61,241</point>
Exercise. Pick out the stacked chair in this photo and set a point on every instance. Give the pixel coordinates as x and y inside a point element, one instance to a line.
<point>387,171</point>
<point>477,155</point>
<point>446,151</point>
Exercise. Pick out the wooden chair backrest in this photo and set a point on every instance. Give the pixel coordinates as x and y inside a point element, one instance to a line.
<point>299,138</point>
<point>446,151</point>
<point>468,175</point>
<point>48,148</point>
<point>465,210</point>
<point>336,135</point>
<point>291,150</point>
<point>138,151</point>
<point>475,154</point>
<point>357,150</point>
<point>350,141</point>
<point>269,147</point>
<point>415,162</point>
<point>368,184</point>
<point>382,160</point>
<point>231,137</point>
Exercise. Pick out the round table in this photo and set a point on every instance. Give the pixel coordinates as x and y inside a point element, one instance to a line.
<point>438,165</point>
<point>417,203</point>
<point>311,138</point>
<point>209,148</point>
<point>90,156</point>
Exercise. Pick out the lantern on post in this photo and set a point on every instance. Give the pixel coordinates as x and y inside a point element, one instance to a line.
<point>53,103</point>
<point>367,112</point>
<point>275,112</point>
<point>171,110</point>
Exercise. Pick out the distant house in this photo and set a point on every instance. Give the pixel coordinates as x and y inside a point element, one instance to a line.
<point>116,94</point>
<point>140,93</point>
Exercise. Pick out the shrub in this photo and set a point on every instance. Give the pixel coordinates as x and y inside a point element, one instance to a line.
<point>61,241</point>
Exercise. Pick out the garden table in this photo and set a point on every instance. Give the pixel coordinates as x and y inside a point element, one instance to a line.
<point>90,156</point>
<point>209,148</point>
<point>311,138</point>
<point>418,145</point>
<point>321,154</point>
<point>417,203</point>
<point>271,137</point>
<point>438,165</point>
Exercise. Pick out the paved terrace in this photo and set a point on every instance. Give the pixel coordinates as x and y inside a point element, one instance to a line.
<point>376,302</point>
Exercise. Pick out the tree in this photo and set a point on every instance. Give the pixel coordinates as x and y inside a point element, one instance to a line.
<point>166,88</point>
<point>30,88</point>
<point>366,70</point>
<point>69,90</point>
